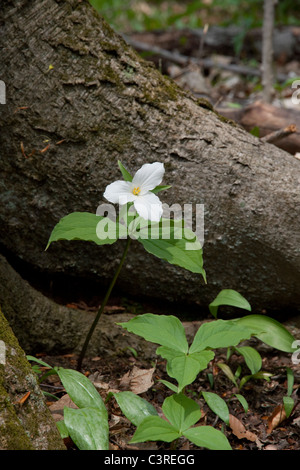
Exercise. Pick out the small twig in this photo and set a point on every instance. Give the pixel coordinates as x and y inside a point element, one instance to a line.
<point>279,134</point>
<point>215,420</point>
<point>56,387</point>
<point>181,59</point>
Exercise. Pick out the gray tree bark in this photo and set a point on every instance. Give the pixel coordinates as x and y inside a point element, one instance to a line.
<point>43,326</point>
<point>78,99</point>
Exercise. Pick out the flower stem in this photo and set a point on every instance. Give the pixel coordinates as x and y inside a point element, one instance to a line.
<point>103,305</point>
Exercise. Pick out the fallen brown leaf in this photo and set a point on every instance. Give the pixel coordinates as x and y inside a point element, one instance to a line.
<point>57,409</point>
<point>103,387</point>
<point>137,380</point>
<point>276,418</point>
<point>239,429</point>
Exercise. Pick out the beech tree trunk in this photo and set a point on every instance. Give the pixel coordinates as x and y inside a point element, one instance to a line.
<point>43,326</point>
<point>79,99</point>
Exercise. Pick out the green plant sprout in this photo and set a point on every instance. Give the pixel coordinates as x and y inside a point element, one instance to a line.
<point>288,401</point>
<point>280,87</point>
<point>181,412</point>
<point>140,219</point>
<point>253,361</point>
<point>184,363</point>
<point>88,425</point>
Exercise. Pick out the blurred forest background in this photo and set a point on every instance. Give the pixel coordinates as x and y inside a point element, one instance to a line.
<point>221,50</point>
<point>137,15</point>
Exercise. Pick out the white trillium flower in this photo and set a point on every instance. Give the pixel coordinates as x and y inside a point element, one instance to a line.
<point>138,191</point>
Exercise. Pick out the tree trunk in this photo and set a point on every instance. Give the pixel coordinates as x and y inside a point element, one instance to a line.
<point>43,326</point>
<point>25,420</point>
<point>79,99</point>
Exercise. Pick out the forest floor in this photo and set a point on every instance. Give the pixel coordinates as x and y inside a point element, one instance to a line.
<point>264,426</point>
<point>231,82</point>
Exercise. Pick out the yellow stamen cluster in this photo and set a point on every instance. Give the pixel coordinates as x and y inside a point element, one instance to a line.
<point>136,191</point>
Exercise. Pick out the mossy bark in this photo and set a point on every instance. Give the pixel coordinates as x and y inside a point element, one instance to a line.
<point>79,99</point>
<point>24,425</point>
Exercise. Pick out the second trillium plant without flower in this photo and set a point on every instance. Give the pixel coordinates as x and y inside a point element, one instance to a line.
<point>140,219</point>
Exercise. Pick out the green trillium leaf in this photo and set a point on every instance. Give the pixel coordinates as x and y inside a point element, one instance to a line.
<point>269,331</point>
<point>184,367</point>
<point>219,334</point>
<point>166,330</point>
<point>170,241</point>
<point>89,227</point>
<point>182,412</point>
<point>135,408</point>
<point>155,428</point>
<point>208,437</point>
